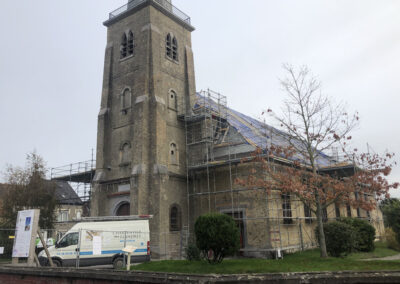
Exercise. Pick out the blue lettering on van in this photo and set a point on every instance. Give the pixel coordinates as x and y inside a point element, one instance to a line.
<point>110,251</point>
<point>65,253</point>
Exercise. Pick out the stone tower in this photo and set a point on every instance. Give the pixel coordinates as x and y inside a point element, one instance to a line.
<point>148,83</point>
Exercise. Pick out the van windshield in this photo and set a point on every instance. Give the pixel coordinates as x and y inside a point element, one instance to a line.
<point>69,240</point>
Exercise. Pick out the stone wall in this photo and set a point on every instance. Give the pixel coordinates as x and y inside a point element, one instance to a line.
<point>260,215</point>
<point>10,275</point>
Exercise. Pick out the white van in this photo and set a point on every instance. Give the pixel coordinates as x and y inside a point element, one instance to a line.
<point>100,241</point>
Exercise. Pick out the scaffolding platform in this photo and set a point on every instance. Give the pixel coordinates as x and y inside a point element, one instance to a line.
<point>79,175</point>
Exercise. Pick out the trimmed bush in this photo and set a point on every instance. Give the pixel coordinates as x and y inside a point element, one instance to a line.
<point>217,236</point>
<point>391,239</point>
<point>192,253</point>
<point>365,234</point>
<point>339,238</point>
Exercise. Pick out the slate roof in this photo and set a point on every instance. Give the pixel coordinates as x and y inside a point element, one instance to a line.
<point>257,133</point>
<point>65,194</point>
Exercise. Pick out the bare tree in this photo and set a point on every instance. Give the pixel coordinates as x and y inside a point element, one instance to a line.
<point>27,188</point>
<point>311,125</point>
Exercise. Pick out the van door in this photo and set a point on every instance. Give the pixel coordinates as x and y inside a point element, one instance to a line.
<point>66,248</point>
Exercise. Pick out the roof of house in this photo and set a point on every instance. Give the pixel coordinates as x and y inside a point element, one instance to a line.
<point>256,133</point>
<point>65,194</point>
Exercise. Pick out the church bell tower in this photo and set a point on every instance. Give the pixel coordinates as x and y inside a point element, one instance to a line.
<point>141,147</point>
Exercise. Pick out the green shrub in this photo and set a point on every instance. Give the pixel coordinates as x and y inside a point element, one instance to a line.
<point>192,252</point>
<point>391,239</point>
<point>391,213</point>
<point>365,234</point>
<point>217,236</point>
<point>339,238</point>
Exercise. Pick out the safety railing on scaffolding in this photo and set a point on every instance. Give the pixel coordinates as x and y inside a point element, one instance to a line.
<point>79,175</point>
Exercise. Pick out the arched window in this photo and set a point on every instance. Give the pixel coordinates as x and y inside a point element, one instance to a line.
<point>123,47</point>
<point>173,154</point>
<point>126,99</point>
<point>172,100</point>
<point>168,45</point>
<point>131,43</point>
<point>125,154</point>
<point>174,49</point>
<point>174,219</point>
<point>123,209</point>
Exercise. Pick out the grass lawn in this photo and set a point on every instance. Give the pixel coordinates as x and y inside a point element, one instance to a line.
<point>381,250</point>
<point>297,262</point>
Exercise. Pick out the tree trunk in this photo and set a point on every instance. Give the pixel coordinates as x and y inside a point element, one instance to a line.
<point>322,242</point>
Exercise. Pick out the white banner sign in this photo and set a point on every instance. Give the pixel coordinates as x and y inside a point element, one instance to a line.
<point>1,250</point>
<point>96,245</point>
<point>23,233</point>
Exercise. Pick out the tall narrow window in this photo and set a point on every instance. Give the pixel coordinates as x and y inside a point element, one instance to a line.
<point>124,46</point>
<point>307,214</point>
<point>168,45</point>
<point>286,209</point>
<point>126,98</point>
<point>172,100</point>
<point>358,208</point>
<point>131,44</point>
<point>337,210</point>
<point>174,219</point>
<point>174,49</point>
<point>173,154</point>
<point>366,211</point>
<point>348,208</point>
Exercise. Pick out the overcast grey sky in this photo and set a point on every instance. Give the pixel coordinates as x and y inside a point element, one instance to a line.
<point>52,53</point>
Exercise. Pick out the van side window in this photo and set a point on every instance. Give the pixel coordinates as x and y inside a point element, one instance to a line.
<point>69,240</point>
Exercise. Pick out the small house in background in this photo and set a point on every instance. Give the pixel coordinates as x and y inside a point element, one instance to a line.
<point>70,208</point>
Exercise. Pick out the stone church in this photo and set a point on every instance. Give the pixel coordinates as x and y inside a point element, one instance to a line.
<point>165,150</point>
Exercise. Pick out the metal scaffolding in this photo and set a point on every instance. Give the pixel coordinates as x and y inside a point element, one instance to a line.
<point>79,175</point>
<point>218,139</point>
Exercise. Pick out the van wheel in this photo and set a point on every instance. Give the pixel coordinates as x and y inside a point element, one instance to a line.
<point>118,262</point>
<point>56,262</point>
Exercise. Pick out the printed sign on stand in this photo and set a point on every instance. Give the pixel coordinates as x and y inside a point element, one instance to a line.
<point>23,233</point>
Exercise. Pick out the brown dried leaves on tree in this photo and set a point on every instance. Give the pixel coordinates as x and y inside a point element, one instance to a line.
<point>310,125</point>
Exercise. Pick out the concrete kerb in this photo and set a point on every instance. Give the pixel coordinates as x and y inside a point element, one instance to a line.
<point>72,275</point>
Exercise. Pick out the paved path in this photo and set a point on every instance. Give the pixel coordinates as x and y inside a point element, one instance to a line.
<point>393,257</point>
